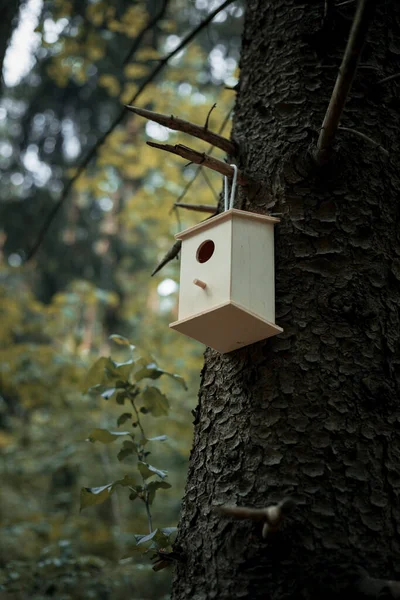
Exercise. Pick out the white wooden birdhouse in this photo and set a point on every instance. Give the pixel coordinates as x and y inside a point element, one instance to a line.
<point>227,287</point>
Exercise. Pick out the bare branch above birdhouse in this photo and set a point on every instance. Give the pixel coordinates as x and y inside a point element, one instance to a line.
<point>344,79</point>
<point>201,158</point>
<point>207,208</point>
<point>198,131</point>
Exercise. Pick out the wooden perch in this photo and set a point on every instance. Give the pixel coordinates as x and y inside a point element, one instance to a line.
<point>272,516</point>
<point>203,133</point>
<point>344,80</point>
<point>200,158</point>
<point>207,208</point>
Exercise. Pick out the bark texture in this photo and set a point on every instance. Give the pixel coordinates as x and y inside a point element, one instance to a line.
<point>314,412</point>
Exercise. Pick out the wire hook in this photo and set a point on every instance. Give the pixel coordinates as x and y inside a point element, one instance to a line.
<point>229,204</point>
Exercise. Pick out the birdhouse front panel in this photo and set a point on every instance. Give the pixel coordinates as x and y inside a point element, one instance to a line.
<point>253,265</point>
<point>205,269</point>
<point>227,292</point>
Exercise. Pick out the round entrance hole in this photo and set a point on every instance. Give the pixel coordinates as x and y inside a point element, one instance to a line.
<point>205,251</point>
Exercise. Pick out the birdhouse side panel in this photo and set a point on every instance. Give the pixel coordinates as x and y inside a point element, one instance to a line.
<point>206,259</point>
<point>253,269</point>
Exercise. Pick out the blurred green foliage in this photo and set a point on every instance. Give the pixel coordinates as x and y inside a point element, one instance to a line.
<point>91,278</point>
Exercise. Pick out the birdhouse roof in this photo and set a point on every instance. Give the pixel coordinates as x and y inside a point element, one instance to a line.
<point>225,216</point>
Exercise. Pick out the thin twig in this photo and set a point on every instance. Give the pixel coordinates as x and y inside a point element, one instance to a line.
<point>207,208</point>
<point>201,158</point>
<point>208,118</point>
<point>366,138</point>
<point>100,141</point>
<point>344,80</point>
<point>171,254</point>
<point>386,79</point>
<point>189,184</point>
<point>141,457</point>
<point>186,127</point>
<point>151,23</point>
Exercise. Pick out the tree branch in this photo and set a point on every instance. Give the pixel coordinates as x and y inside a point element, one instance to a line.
<point>207,208</point>
<point>92,153</point>
<point>189,184</point>
<point>151,23</point>
<point>366,138</point>
<point>171,254</point>
<point>201,158</point>
<point>203,133</point>
<point>344,80</point>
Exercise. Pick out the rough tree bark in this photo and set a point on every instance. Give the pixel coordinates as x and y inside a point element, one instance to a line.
<point>314,412</point>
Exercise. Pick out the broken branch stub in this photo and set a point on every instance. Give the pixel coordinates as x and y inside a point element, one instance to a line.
<point>198,131</point>
<point>200,158</point>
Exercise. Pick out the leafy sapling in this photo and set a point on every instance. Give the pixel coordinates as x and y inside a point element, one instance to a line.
<point>124,382</point>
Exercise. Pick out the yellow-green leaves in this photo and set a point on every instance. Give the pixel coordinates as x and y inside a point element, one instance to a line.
<point>106,437</point>
<point>98,495</point>
<point>155,402</point>
<point>147,471</point>
<point>152,371</point>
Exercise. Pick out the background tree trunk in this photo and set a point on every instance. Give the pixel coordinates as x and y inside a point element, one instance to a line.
<point>313,412</point>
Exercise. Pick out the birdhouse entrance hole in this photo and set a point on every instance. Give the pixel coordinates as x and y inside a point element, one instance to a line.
<point>205,251</point>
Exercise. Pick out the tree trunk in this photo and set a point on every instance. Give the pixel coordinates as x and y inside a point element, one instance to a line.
<point>313,413</point>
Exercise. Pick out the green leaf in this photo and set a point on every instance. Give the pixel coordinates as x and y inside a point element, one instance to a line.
<point>118,371</point>
<point>168,531</point>
<point>123,418</point>
<point>121,397</point>
<point>147,538</point>
<point>121,340</point>
<point>98,495</point>
<point>106,437</point>
<point>152,371</point>
<point>135,491</point>
<point>127,449</point>
<point>93,496</point>
<point>96,374</point>
<point>147,471</point>
<point>158,438</point>
<point>155,401</point>
<point>153,486</point>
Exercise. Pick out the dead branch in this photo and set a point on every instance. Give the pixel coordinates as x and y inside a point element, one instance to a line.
<point>203,133</point>
<point>366,138</point>
<point>344,80</point>
<point>100,141</point>
<point>271,516</point>
<point>387,79</point>
<point>189,184</point>
<point>200,158</point>
<point>207,208</point>
<point>171,254</point>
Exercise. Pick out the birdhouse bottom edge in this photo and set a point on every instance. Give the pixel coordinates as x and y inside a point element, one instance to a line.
<point>226,327</point>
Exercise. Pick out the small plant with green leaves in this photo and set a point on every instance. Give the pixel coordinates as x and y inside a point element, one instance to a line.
<point>124,382</point>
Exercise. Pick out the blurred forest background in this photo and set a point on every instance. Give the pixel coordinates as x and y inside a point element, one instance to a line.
<point>68,68</point>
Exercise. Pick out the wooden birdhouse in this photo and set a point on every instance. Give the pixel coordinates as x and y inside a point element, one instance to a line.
<point>227,289</point>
